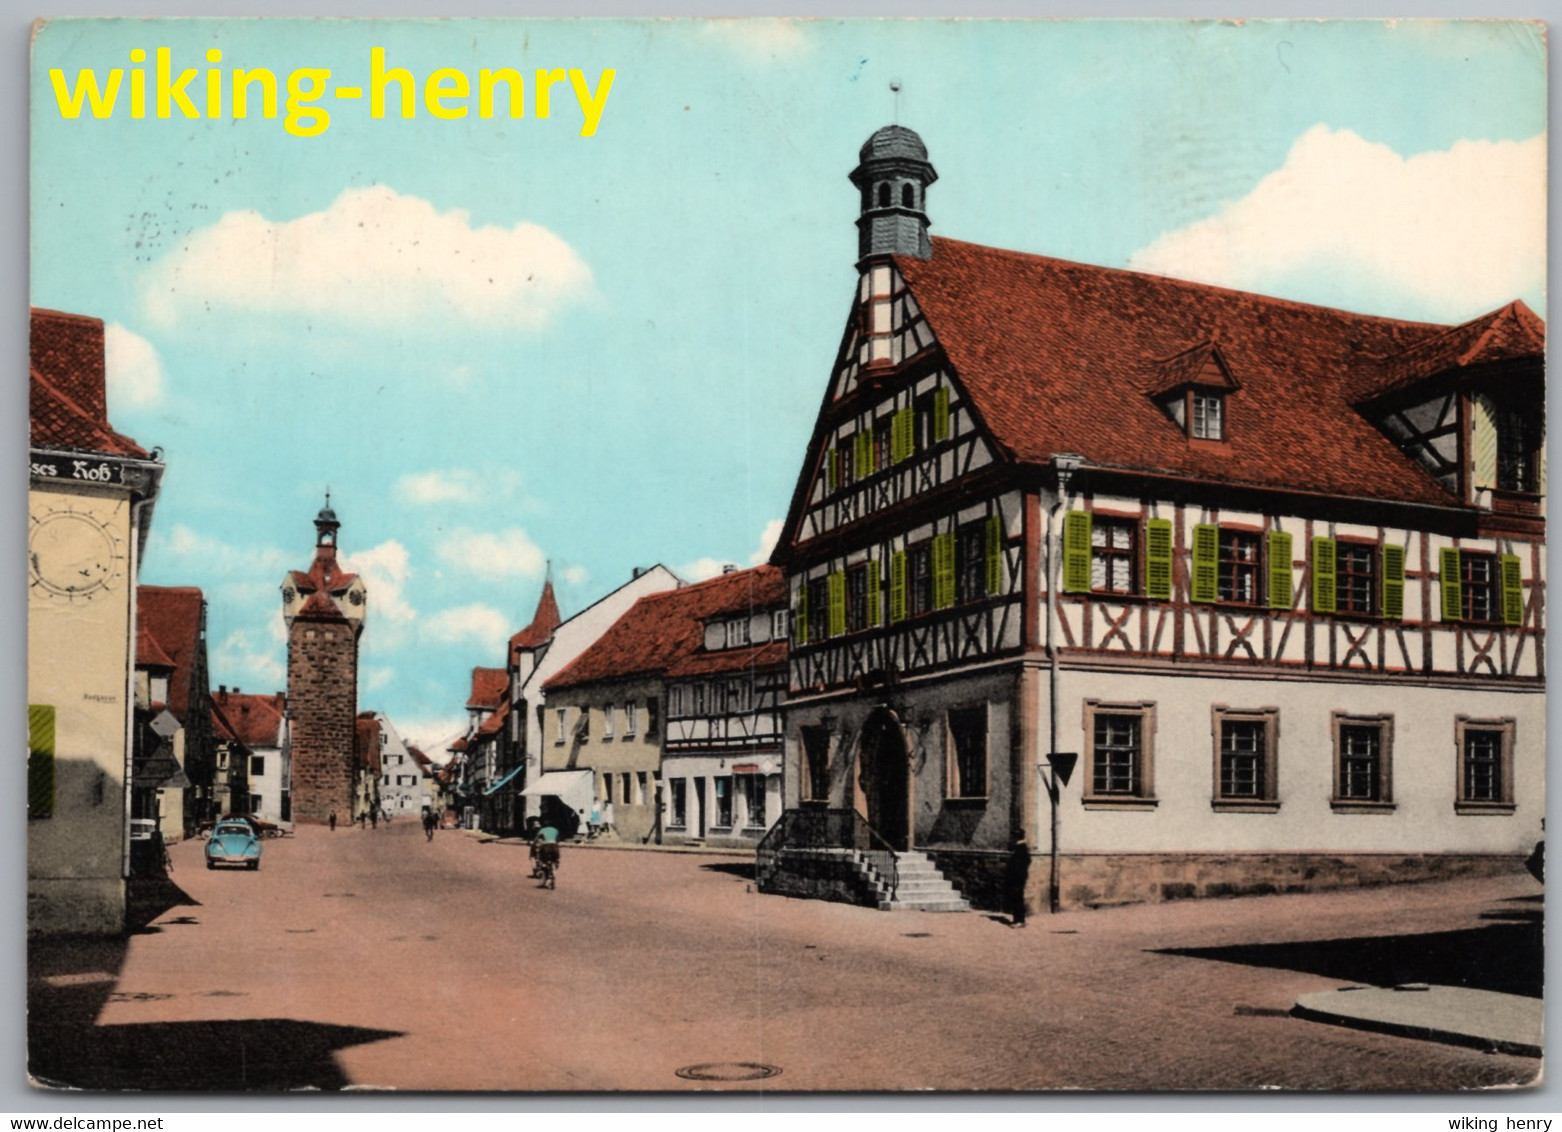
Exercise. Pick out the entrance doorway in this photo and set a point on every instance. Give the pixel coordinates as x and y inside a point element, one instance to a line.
<point>884,772</point>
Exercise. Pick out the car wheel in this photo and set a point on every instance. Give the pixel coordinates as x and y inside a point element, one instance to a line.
<point>254,866</point>
<point>211,864</point>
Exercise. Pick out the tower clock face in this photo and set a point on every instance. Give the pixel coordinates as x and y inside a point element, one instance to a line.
<point>73,556</point>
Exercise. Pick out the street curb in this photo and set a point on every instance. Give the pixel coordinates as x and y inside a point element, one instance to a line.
<point>1310,1008</point>
<point>622,846</point>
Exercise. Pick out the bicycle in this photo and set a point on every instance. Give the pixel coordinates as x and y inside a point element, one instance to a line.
<point>547,864</point>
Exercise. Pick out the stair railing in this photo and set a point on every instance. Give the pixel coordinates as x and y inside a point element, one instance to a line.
<point>828,829</point>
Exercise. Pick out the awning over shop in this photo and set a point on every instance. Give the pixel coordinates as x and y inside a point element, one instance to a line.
<point>574,788</point>
<point>505,781</point>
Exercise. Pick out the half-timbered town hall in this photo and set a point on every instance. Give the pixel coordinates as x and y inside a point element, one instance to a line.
<point>1254,586</point>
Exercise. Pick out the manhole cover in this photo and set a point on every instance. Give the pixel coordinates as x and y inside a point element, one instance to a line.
<point>917,935</point>
<point>729,1071</point>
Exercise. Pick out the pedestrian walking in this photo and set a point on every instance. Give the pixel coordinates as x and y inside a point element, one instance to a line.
<point>333,821</point>
<point>1016,872</point>
<point>374,819</point>
<point>428,824</point>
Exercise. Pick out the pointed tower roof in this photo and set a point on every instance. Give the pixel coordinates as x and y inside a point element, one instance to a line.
<point>543,622</point>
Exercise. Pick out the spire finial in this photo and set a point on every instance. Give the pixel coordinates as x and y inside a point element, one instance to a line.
<point>894,85</point>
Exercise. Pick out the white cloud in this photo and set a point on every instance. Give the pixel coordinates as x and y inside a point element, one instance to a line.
<point>432,735</point>
<point>475,623</point>
<point>707,567</point>
<point>218,558</point>
<point>134,371</point>
<point>575,575</point>
<point>374,258</point>
<point>239,661</point>
<point>1446,234</point>
<point>376,678</point>
<point>457,485</point>
<point>385,569</point>
<point>493,554</point>
<point>761,40</point>
<point>767,542</point>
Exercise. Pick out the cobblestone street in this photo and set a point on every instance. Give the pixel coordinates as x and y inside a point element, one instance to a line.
<point>376,959</point>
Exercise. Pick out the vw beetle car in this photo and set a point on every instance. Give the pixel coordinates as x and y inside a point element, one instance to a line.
<point>233,842</point>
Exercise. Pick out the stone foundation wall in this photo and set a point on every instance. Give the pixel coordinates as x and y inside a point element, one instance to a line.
<point>1096,881</point>
<point>815,879</point>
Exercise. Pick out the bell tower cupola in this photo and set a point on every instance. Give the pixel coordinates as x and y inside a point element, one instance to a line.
<point>892,175</point>
<point>326,525</point>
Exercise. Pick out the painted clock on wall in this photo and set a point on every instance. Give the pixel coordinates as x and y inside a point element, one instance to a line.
<point>74,556</point>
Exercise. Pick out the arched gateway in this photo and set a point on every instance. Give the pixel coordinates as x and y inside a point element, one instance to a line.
<point>884,779</point>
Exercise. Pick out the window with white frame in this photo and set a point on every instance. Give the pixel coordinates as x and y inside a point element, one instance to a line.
<point>737,632</point>
<point>1363,762</point>
<point>1120,746</point>
<point>1485,765</point>
<point>1246,758</point>
<point>563,732</point>
<point>608,721</point>
<point>630,720</point>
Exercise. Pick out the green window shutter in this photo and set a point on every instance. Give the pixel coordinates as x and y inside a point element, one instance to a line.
<point>941,413</point>
<point>40,761</point>
<point>837,604</point>
<point>1279,570</point>
<point>800,617</point>
<point>864,454</point>
<point>1448,579</point>
<point>1512,590</point>
<point>1206,562</point>
<point>944,570</point>
<point>902,435</point>
<point>832,478</point>
<point>994,554</point>
<point>897,586</point>
<point>1076,552</point>
<point>875,584</point>
<point>1158,558</point>
<point>1325,572</point>
<point>1393,582</point>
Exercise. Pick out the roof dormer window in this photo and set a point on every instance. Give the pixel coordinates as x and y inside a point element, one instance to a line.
<point>1207,415</point>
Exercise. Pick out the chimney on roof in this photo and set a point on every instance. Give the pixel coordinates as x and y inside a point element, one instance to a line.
<point>729,568</point>
<point>893,174</point>
<point>222,690</point>
<point>636,572</point>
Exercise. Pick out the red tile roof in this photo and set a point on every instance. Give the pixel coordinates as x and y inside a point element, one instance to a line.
<point>1064,357</point>
<point>661,630</point>
<point>171,616</point>
<point>771,654</point>
<point>423,761</point>
<point>543,623</point>
<point>68,405</point>
<point>1512,333</point>
<point>323,574</point>
<point>149,654</point>
<point>254,720</point>
<point>488,685</point>
<point>319,607</point>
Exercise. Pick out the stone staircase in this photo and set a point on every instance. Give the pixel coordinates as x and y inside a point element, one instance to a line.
<point>922,888</point>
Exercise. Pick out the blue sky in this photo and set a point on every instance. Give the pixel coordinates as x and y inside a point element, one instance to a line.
<point>502,343</point>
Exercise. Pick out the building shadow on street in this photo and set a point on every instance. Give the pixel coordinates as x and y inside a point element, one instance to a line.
<point>1507,955</point>
<point>148,897</point>
<point>71,979</point>
<point>744,870</point>
<point>232,1055</point>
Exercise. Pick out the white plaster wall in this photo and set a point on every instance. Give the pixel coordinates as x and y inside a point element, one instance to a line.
<point>1424,768</point>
